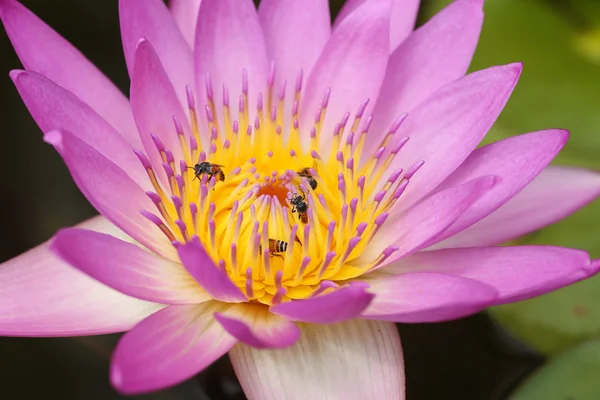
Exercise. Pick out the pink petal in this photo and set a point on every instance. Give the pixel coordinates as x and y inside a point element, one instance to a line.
<point>338,306</point>
<point>108,188</point>
<point>229,40</point>
<point>53,107</point>
<point>41,295</point>
<point>517,273</point>
<point>426,297</point>
<point>553,195</point>
<point>130,270</point>
<point>168,347</point>
<point>296,33</point>
<point>154,106</point>
<point>517,160</point>
<point>151,20</point>
<point>352,65</point>
<point>255,326</point>
<point>185,14</point>
<point>354,360</point>
<point>402,18</point>
<point>421,225</point>
<point>447,127</point>
<point>214,280</point>
<point>42,50</point>
<point>414,70</point>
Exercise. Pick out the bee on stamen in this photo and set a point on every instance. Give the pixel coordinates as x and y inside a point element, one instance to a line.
<point>305,173</point>
<point>209,169</point>
<point>275,248</point>
<point>299,205</point>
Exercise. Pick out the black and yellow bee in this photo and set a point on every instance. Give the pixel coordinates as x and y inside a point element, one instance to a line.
<point>209,169</point>
<point>276,247</point>
<point>299,205</point>
<point>305,173</point>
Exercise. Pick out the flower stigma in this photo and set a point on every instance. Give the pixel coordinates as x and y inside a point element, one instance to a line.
<point>282,219</point>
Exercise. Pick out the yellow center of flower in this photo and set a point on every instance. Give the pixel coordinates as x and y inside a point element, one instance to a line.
<point>283,221</point>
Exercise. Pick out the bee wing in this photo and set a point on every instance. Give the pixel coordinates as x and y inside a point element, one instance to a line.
<point>218,165</point>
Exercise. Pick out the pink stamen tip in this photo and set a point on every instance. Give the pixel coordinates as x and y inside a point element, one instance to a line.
<point>209,114</point>
<point>315,155</point>
<point>395,175</point>
<point>168,170</point>
<point>412,170</point>
<point>236,127</point>
<point>236,171</point>
<point>325,101</point>
<point>249,290</point>
<point>182,227</point>
<point>193,209</point>
<point>323,286</point>
<point>318,116</point>
<point>306,233</point>
<point>345,119</point>
<point>271,76</point>
<point>295,107</point>
<point>241,104</point>
<point>397,123</point>
<point>226,144</point>
<point>257,122</point>
<point>202,157</point>
<point>292,153</point>
<point>350,164</point>
<point>331,228</point>
<point>328,257</point>
<point>153,218</point>
<point>353,204</point>
<point>180,182</point>
<point>278,279</point>
<point>157,142</point>
<point>211,210</point>
<point>222,265</point>
<point>193,143</point>
<point>259,102</point>
<point>213,148</point>
<point>176,201</point>
<point>400,189</point>
<point>367,124</point>
<point>214,134</point>
<point>169,156</point>
<point>178,126</point>
<point>361,182</point>
<point>143,159</point>
<point>339,156</point>
<point>225,96</point>
<point>278,296</point>
<point>350,138</point>
<point>380,219</point>
<point>361,109</point>
<point>379,153</point>
<point>344,211</point>
<point>208,85</point>
<point>399,145</point>
<point>337,129</point>
<point>176,243</point>
<point>190,97</point>
<point>270,154</point>
<point>352,243</point>
<point>282,91</point>
<point>299,77</point>
<point>379,196</point>
<point>360,228</point>
<point>313,132</point>
<point>245,81</point>
<point>212,227</point>
<point>154,197</point>
<point>296,124</point>
<point>249,130</point>
<point>273,113</point>
<point>388,251</point>
<point>252,160</point>
<point>304,264</point>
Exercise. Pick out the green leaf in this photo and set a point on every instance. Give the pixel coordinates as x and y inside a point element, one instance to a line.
<point>570,376</point>
<point>559,88</point>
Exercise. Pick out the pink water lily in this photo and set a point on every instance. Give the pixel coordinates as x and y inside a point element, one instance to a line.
<point>278,182</point>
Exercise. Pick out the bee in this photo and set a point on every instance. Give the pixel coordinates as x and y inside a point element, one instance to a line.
<point>276,247</point>
<point>299,205</point>
<point>305,173</point>
<point>210,169</point>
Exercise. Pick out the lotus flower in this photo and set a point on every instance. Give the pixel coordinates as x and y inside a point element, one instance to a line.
<point>276,182</point>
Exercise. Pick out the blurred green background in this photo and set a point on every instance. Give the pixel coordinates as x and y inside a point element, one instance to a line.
<point>545,348</point>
